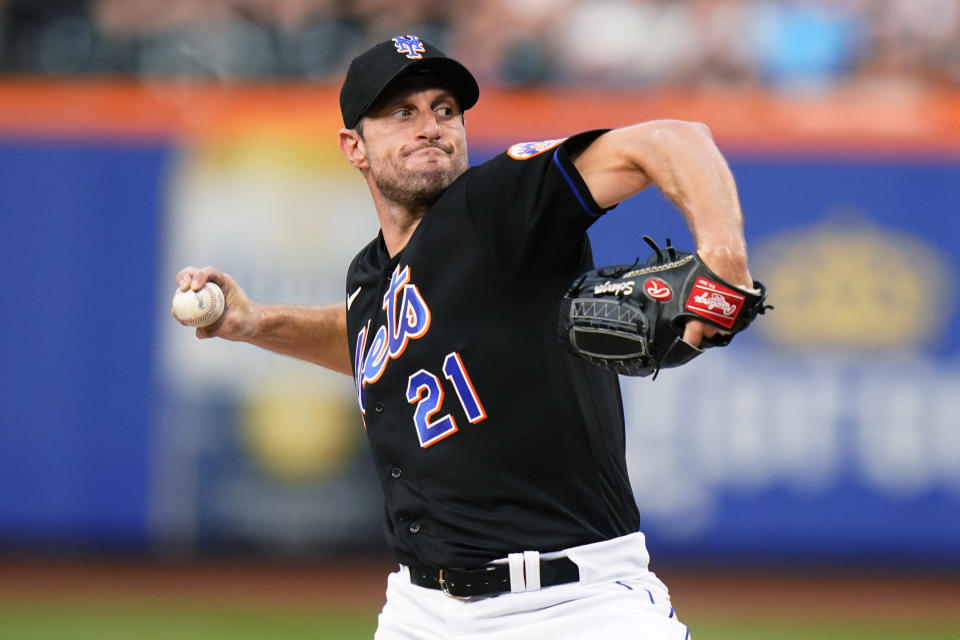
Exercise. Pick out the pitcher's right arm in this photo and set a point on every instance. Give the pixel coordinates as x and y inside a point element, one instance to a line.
<point>315,334</point>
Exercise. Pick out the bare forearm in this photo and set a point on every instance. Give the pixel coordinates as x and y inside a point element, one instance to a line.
<point>689,169</point>
<point>681,159</point>
<point>314,334</point>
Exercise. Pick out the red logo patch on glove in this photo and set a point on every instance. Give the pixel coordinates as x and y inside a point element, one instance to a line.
<point>657,289</point>
<point>714,301</point>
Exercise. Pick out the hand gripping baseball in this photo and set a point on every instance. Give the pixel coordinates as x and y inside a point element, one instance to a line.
<point>239,318</point>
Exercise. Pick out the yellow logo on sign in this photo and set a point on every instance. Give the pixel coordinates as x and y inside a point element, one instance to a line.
<point>852,284</point>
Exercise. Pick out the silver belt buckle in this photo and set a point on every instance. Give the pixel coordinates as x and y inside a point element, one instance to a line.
<point>443,585</point>
<point>445,588</point>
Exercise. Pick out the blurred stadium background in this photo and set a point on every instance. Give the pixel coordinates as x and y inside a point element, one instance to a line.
<point>805,483</point>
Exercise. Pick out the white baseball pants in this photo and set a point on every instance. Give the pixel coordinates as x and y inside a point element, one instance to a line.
<point>617,598</point>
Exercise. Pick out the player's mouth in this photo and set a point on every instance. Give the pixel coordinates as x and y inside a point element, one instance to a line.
<point>429,149</point>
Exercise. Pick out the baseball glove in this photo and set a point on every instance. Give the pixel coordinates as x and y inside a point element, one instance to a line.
<point>630,318</point>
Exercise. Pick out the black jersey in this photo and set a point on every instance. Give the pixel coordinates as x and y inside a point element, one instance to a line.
<point>488,438</point>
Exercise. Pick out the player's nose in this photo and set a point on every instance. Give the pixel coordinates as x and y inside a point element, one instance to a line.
<point>428,125</point>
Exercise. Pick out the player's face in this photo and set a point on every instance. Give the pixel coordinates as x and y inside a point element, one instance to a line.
<point>415,142</point>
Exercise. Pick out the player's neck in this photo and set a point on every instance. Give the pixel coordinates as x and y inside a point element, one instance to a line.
<point>398,217</point>
<point>398,222</point>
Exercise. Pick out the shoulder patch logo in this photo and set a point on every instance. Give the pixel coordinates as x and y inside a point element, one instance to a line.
<point>410,46</point>
<point>524,150</point>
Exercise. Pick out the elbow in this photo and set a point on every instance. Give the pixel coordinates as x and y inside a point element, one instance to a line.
<point>671,132</point>
<point>669,148</point>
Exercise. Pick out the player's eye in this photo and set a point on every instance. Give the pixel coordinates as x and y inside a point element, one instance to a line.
<point>402,113</point>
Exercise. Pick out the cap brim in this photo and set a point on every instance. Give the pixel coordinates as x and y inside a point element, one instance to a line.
<point>447,70</point>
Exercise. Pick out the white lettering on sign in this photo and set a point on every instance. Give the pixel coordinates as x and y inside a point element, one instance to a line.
<point>792,423</point>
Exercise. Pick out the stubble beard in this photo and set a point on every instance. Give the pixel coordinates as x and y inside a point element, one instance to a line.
<point>417,189</point>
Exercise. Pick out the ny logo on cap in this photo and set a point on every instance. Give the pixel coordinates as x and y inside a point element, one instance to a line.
<point>410,45</point>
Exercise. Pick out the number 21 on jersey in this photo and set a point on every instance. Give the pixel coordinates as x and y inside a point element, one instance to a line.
<point>425,390</point>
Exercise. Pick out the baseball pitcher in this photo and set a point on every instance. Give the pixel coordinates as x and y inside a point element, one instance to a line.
<point>500,448</point>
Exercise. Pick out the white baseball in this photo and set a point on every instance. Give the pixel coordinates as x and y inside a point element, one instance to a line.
<point>199,308</point>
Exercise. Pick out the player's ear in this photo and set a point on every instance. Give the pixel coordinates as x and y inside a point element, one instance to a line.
<point>353,148</point>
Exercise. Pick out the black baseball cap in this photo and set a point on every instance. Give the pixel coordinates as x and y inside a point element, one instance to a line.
<point>371,72</point>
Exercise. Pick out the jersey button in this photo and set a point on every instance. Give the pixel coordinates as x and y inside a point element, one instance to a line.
<point>378,407</point>
<point>414,527</point>
<point>396,472</point>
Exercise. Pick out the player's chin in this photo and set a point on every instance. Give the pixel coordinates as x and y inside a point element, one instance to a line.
<point>434,177</point>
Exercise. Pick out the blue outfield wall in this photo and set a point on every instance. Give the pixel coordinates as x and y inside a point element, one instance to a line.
<point>82,226</point>
<point>878,218</point>
<point>78,253</point>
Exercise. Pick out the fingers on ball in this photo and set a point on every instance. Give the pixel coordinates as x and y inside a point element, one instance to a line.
<point>195,278</point>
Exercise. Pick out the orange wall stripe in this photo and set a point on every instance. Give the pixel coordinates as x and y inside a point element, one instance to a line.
<point>922,122</point>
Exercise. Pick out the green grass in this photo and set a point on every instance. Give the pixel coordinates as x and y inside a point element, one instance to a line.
<point>102,621</point>
<point>35,621</point>
<point>821,629</point>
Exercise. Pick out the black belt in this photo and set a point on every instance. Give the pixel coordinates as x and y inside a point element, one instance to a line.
<point>490,580</point>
